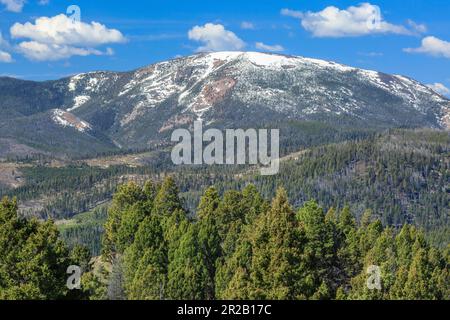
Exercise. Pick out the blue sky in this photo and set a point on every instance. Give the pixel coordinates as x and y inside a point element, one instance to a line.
<point>412,37</point>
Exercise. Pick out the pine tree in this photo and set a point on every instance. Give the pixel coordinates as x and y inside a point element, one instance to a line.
<point>188,277</point>
<point>167,199</point>
<point>233,274</point>
<point>348,252</point>
<point>317,251</point>
<point>116,281</point>
<point>241,247</point>
<point>133,215</point>
<point>417,286</point>
<point>252,204</point>
<point>145,262</point>
<point>276,253</point>
<point>81,257</point>
<point>347,221</point>
<point>208,237</point>
<point>33,260</point>
<point>127,196</point>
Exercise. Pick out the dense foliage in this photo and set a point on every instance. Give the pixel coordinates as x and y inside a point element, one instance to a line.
<point>34,261</point>
<point>241,247</point>
<point>314,240</point>
<point>402,175</point>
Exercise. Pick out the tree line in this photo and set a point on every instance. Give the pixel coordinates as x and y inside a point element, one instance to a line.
<point>238,245</point>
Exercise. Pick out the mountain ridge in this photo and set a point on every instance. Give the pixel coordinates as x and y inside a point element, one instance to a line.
<point>137,109</point>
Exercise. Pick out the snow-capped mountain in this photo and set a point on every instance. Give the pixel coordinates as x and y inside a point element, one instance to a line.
<point>224,89</point>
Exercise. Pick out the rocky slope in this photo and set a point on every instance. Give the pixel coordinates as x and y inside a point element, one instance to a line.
<point>100,111</point>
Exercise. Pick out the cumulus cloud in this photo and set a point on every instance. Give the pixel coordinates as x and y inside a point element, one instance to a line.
<point>37,51</point>
<point>439,88</point>
<point>13,5</point>
<point>215,38</point>
<point>60,37</point>
<point>432,46</point>
<point>361,20</point>
<point>63,30</point>
<point>271,48</point>
<point>247,25</point>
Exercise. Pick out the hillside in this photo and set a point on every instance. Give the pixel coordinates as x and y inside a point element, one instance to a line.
<point>97,112</point>
<point>402,175</point>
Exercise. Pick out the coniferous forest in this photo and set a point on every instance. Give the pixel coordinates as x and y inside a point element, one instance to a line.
<point>238,154</point>
<point>238,245</point>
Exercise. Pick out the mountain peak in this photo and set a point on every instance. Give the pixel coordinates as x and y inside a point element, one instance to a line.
<point>229,89</point>
<point>294,86</point>
<point>265,59</point>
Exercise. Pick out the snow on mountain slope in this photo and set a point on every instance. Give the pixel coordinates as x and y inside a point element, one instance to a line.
<point>295,86</point>
<point>67,119</point>
<point>243,88</point>
<point>139,108</point>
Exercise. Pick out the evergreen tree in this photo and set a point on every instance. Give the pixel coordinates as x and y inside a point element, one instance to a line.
<point>127,196</point>
<point>417,284</point>
<point>276,257</point>
<point>252,204</point>
<point>145,262</point>
<point>167,199</point>
<point>209,238</point>
<point>188,277</point>
<point>33,260</point>
<point>317,252</point>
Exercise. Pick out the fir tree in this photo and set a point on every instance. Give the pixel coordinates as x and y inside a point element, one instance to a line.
<point>33,260</point>
<point>276,257</point>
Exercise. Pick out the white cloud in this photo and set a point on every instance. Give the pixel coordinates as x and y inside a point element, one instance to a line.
<point>361,20</point>
<point>432,46</point>
<point>37,51</point>
<point>215,38</point>
<point>60,37</point>
<point>247,25</point>
<point>292,13</point>
<point>5,57</point>
<point>62,30</point>
<point>420,28</point>
<point>439,88</point>
<point>271,48</point>
<point>13,5</point>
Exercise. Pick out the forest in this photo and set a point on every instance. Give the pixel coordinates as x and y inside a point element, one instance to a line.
<point>238,245</point>
<point>402,175</point>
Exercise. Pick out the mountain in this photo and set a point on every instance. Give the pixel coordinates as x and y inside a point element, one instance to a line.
<point>108,111</point>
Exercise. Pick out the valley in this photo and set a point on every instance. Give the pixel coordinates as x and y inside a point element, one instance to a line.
<point>347,137</point>
<point>402,175</point>
<point>364,172</point>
